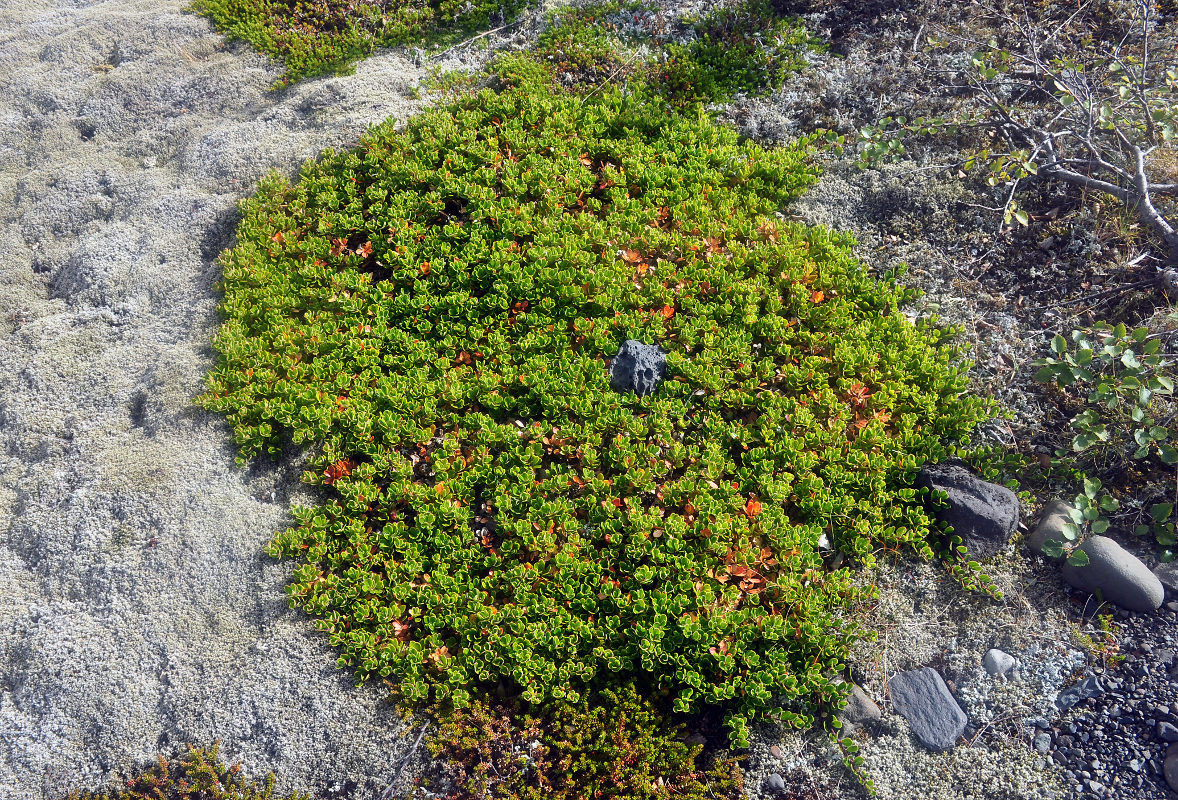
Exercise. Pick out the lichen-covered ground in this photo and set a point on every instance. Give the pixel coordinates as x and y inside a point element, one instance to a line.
<point>137,612</point>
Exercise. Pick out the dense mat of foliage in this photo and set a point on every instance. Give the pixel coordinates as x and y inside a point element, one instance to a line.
<point>318,37</point>
<point>747,47</point>
<point>618,747</point>
<point>744,47</point>
<point>433,313</point>
<point>199,774</point>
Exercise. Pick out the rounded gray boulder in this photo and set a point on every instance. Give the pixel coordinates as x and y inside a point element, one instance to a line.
<point>1118,575</point>
<point>1170,767</point>
<point>999,663</point>
<point>1054,516</point>
<point>860,709</point>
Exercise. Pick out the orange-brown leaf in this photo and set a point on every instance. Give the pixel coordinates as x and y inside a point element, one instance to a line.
<point>340,469</point>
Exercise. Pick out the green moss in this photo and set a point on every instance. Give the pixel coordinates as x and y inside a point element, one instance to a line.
<point>197,775</point>
<point>433,313</point>
<point>620,747</point>
<point>320,37</point>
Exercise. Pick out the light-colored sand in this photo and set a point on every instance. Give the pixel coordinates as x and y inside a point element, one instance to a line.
<point>137,612</point>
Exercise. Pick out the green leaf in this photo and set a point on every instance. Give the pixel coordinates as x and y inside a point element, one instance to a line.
<point>1078,558</point>
<point>1053,548</point>
<point>1167,454</point>
<point>1059,345</point>
<point>1044,375</point>
<point>1160,512</point>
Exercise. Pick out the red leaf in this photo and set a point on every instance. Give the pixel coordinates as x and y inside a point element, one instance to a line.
<point>339,469</point>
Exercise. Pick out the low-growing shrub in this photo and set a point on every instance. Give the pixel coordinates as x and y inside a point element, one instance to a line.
<point>619,747</point>
<point>584,48</point>
<point>743,47</point>
<point>319,37</point>
<point>747,47</point>
<point>433,314</point>
<point>199,774</point>
<point>1125,425</point>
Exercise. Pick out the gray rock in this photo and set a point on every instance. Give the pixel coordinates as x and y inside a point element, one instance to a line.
<point>1170,767</point>
<point>1169,282</point>
<point>1166,732</point>
<point>985,515</point>
<point>1084,690</point>
<point>1042,743</point>
<point>1167,574</point>
<point>637,367</point>
<point>1051,521</point>
<point>1117,574</point>
<point>860,708</point>
<point>922,698</point>
<point>999,663</point>
<point>774,783</point>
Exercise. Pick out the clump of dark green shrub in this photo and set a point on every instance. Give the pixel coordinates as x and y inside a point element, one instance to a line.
<point>199,774</point>
<point>318,37</point>
<point>433,313</point>
<point>619,747</point>
<point>747,47</point>
<point>584,48</point>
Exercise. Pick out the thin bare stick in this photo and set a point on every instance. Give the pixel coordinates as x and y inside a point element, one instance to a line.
<point>388,792</point>
<point>474,38</point>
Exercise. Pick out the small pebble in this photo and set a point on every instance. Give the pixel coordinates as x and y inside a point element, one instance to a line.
<point>775,783</point>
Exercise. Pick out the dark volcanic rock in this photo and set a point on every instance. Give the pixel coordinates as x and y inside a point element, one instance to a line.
<point>1117,574</point>
<point>1084,690</point>
<point>983,514</point>
<point>923,699</point>
<point>637,367</point>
